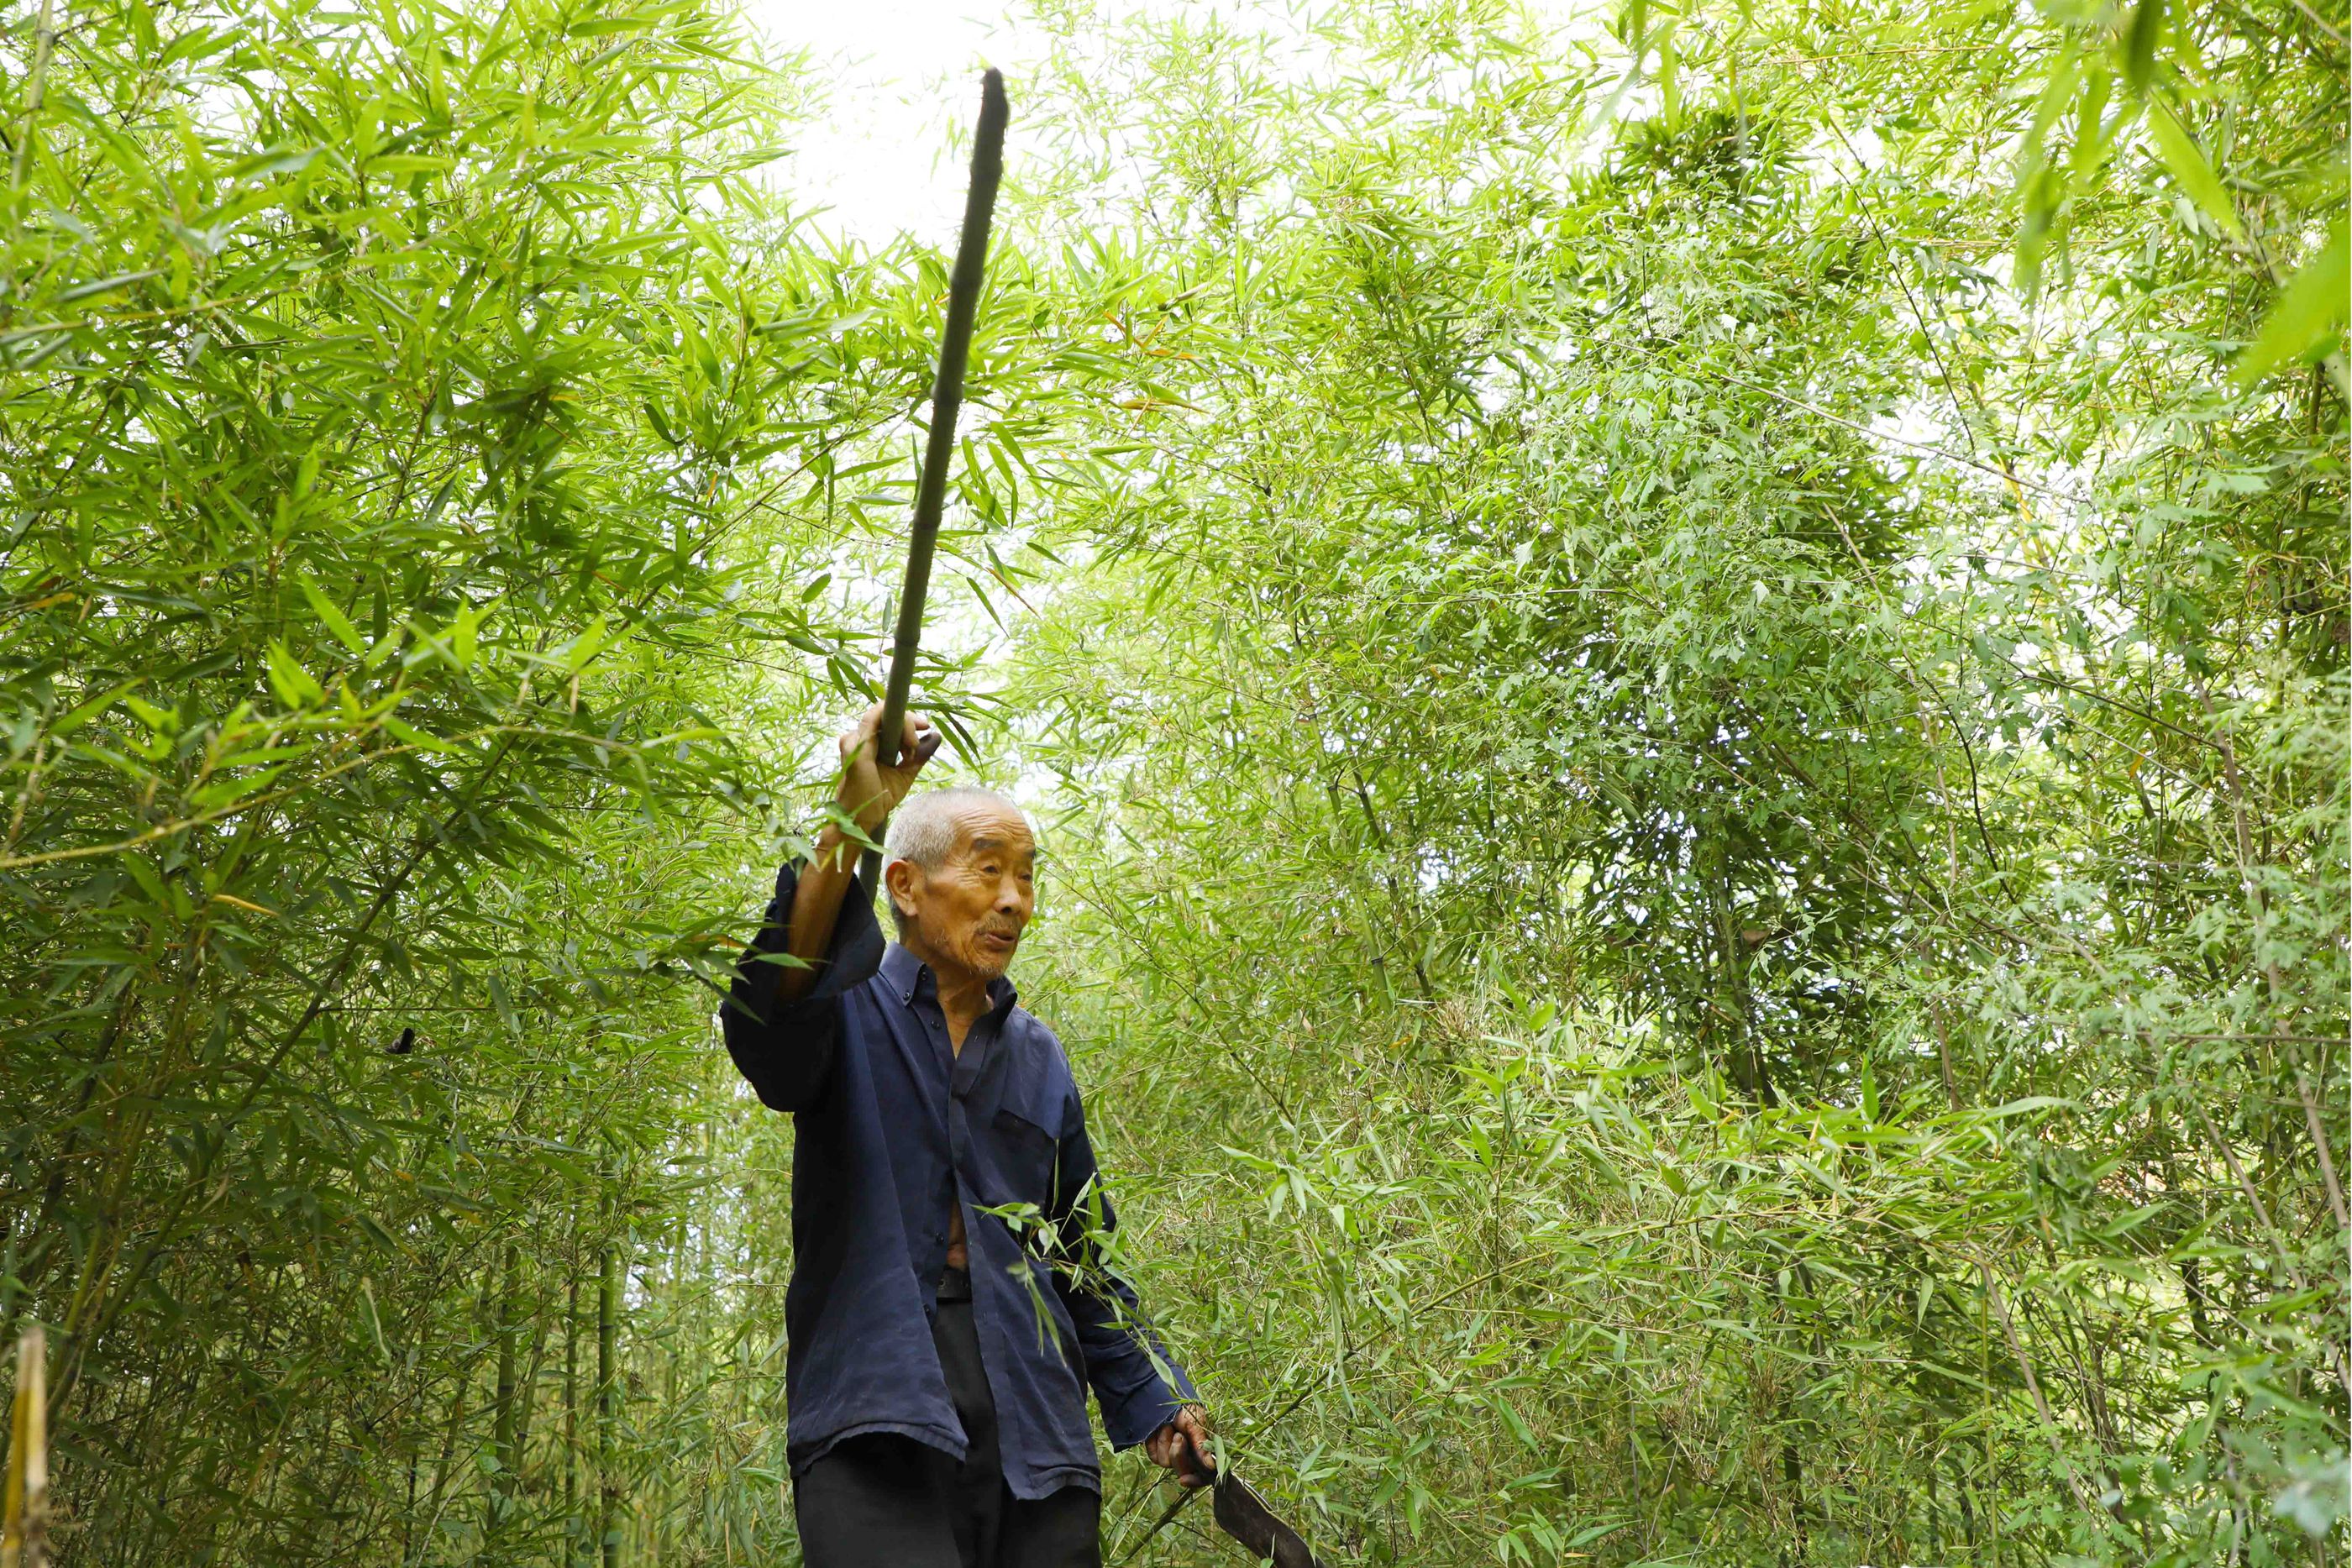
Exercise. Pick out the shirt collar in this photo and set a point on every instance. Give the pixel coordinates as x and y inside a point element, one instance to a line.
<point>913,981</point>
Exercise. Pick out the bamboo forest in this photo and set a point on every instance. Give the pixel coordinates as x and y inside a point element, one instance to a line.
<point>1680,667</point>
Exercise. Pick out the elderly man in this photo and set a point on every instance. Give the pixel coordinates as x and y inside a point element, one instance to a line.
<point>948,1293</point>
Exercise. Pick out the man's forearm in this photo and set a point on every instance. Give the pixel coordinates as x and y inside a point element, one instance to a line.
<point>816,909</point>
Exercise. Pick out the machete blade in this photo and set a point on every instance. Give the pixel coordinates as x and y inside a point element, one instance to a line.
<point>1243,1515</point>
<point>1240,1514</point>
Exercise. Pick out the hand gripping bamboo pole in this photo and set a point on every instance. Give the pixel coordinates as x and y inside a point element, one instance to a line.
<point>947,398</point>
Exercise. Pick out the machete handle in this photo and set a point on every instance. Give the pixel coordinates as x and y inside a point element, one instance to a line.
<point>1195,1466</point>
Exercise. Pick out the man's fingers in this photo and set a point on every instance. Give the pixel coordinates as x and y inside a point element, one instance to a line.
<point>1195,1432</point>
<point>862,733</point>
<point>1180,1445</point>
<point>917,741</point>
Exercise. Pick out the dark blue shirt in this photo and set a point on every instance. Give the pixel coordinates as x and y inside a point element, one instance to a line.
<point>892,1127</point>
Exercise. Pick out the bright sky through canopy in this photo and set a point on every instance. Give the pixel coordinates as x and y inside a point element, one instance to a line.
<point>895,73</point>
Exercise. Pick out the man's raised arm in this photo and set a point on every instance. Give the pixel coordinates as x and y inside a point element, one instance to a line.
<point>781,1016</point>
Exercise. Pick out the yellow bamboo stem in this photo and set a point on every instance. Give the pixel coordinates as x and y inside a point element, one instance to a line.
<point>25,1534</point>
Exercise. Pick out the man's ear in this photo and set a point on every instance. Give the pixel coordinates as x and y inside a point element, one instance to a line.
<point>897,877</point>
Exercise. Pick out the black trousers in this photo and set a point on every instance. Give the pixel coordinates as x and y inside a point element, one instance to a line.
<point>885,1501</point>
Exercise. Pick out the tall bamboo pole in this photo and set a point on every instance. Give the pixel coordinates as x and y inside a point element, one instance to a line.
<point>499,1503</point>
<point>947,400</point>
<point>608,1385</point>
<point>574,1529</point>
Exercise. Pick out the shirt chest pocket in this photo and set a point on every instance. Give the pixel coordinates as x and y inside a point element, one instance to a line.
<point>1027,1137</point>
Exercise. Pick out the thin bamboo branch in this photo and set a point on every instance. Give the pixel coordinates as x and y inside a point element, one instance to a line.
<point>2319,1145</point>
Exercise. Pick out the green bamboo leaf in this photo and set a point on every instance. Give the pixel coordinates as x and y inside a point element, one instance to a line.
<point>143,873</point>
<point>336,621</point>
<point>223,792</point>
<point>2189,167</point>
<point>163,721</point>
<point>505,1005</point>
<point>106,285</point>
<point>2309,316</point>
<point>278,160</point>
<point>408,733</point>
<point>2139,41</point>
<point>295,686</point>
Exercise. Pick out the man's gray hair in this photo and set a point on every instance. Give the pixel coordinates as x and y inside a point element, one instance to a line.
<point>922,830</point>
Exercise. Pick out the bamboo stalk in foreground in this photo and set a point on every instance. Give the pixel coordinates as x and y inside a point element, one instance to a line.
<point>25,1532</point>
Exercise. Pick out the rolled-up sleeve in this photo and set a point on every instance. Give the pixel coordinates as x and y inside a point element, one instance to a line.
<point>1138,1387</point>
<point>785,1049</point>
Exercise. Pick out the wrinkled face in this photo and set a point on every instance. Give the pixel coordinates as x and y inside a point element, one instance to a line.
<point>968,912</point>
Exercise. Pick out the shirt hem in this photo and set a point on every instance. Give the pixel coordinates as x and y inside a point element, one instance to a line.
<point>952,1444</point>
<point>1058,1478</point>
<point>1043,1484</point>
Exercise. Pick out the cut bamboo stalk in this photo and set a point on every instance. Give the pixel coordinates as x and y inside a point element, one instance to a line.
<point>938,451</point>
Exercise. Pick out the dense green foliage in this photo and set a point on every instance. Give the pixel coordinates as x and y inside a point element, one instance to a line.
<point>1685,672</point>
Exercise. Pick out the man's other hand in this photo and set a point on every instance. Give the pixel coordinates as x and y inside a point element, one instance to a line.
<point>1183,1446</point>
<point>869,794</point>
